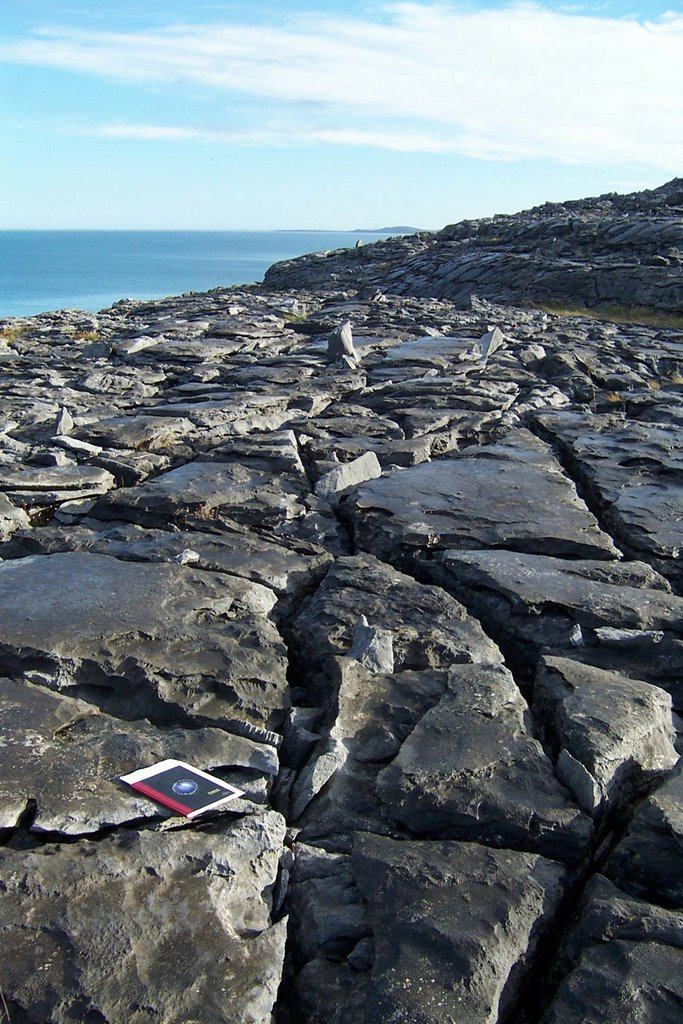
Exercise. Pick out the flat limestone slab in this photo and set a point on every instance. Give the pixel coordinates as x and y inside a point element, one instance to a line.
<point>429,628</point>
<point>622,983</point>
<point>145,927</point>
<point>65,757</point>
<point>512,494</point>
<point>635,470</point>
<point>30,485</point>
<point>288,571</point>
<point>471,769</point>
<point>647,861</point>
<point>615,615</point>
<point>201,488</point>
<point>145,639</point>
<point>454,925</point>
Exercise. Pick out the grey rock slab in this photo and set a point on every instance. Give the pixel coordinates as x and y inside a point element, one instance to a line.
<point>327,912</point>
<point>429,628</point>
<point>12,518</point>
<point>257,482</point>
<point>628,594</point>
<point>333,484</point>
<point>539,604</point>
<point>471,769</point>
<point>29,486</point>
<point>622,983</point>
<point>204,489</point>
<point>605,913</point>
<point>65,757</point>
<point>133,431</point>
<point>231,415</point>
<point>145,927</point>
<point>437,351</point>
<point>335,792</point>
<point>635,470</point>
<point>647,861</point>
<point>198,488</point>
<point>146,639</point>
<point>456,927</point>
<point>611,735</point>
<point>288,571</point>
<point>512,494</point>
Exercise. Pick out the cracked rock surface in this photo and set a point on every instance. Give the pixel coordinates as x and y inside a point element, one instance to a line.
<point>403,567</point>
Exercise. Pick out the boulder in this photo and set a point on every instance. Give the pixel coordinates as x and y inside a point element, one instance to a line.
<point>611,736</point>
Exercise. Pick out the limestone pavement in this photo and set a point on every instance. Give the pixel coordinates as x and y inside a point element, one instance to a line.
<point>418,594</point>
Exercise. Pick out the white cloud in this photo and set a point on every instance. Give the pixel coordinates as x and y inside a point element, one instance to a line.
<point>499,83</point>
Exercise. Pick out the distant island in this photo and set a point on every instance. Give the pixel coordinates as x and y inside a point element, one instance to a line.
<point>397,229</point>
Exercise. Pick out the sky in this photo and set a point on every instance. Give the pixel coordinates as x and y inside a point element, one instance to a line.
<point>171,114</point>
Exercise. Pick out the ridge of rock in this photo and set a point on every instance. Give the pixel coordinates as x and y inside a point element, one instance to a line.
<point>624,250</point>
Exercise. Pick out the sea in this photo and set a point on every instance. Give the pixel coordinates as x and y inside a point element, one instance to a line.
<point>41,271</point>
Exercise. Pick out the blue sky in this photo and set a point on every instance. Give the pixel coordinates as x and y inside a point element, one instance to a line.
<point>259,115</point>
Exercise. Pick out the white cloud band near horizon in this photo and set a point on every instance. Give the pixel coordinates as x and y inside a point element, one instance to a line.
<point>502,83</point>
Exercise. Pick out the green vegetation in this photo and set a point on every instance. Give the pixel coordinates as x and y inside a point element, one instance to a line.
<point>10,334</point>
<point>617,314</point>
<point>86,336</point>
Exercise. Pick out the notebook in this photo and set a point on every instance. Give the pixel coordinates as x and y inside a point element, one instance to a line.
<point>181,787</point>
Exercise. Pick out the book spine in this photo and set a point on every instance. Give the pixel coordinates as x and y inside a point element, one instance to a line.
<point>161,798</point>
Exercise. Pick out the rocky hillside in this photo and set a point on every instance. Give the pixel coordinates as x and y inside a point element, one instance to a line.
<point>617,249</point>
<point>406,574</point>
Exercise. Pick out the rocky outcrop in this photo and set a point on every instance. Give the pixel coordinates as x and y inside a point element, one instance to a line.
<point>422,603</point>
<point>612,250</point>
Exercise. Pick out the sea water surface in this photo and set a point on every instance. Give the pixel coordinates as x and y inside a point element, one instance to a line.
<point>48,270</point>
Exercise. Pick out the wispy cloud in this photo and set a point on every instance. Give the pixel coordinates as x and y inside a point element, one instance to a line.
<point>499,83</point>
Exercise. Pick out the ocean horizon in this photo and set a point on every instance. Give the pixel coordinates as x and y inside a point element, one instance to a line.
<point>43,271</point>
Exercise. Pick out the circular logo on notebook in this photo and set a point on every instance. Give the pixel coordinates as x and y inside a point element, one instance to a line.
<point>184,787</point>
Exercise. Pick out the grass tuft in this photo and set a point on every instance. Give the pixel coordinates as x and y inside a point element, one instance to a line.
<point>617,314</point>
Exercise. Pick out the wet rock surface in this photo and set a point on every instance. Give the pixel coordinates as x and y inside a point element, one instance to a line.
<point>405,570</point>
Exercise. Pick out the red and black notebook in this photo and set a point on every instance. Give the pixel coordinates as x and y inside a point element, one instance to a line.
<point>182,788</point>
